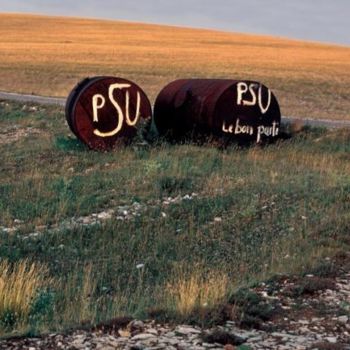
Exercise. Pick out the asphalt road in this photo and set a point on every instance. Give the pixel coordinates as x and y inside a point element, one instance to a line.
<point>328,123</point>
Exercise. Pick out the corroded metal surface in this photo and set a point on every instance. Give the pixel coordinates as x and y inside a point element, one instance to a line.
<point>244,110</point>
<point>104,111</point>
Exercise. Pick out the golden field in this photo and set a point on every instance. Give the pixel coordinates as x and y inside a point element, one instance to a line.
<point>49,55</point>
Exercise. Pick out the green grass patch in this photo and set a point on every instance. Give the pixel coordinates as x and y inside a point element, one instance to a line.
<point>204,218</point>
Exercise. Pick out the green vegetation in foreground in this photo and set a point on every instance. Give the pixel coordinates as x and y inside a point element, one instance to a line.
<point>256,212</point>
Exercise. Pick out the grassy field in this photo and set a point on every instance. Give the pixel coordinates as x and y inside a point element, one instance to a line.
<point>48,55</point>
<point>156,230</point>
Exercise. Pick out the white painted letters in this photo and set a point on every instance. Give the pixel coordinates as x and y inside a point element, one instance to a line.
<point>138,104</point>
<point>267,131</point>
<point>227,129</point>
<point>98,102</point>
<point>242,90</point>
<point>264,110</point>
<point>239,128</point>
<point>243,129</point>
<point>96,105</point>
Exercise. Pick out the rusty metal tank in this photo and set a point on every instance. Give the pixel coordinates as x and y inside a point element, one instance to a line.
<point>105,111</point>
<point>242,110</point>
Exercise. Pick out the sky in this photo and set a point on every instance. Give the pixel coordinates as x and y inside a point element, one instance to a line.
<point>314,20</point>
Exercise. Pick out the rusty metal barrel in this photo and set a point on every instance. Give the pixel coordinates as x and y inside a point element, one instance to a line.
<point>243,110</point>
<point>105,111</point>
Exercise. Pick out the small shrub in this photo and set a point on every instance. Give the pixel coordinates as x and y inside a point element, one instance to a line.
<point>151,167</point>
<point>250,309</point>
<point>8,319</point>
<point>42,307</point>
<point>245,297</point>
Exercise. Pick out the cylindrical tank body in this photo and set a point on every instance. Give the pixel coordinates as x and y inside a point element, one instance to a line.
<point>104,111</point>
<point>244,110</point>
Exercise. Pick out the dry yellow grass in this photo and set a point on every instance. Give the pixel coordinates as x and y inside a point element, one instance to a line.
<point>197,289</point>
<point>48,55</point>
<point>19,285</point>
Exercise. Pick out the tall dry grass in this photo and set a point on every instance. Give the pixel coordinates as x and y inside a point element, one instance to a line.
<point>19,284</point>
<point>196,289</point>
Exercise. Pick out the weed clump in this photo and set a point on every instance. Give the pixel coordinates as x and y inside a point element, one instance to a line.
<point>196,293</point>
<point>249,309</point>
<point>21,296</point>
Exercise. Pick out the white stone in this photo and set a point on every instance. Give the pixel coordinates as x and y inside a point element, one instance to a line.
<point>332,340</point>
<point>343,319</point>
<point>186,330</point>
<point>105,215</point>
<point>142,336</point>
